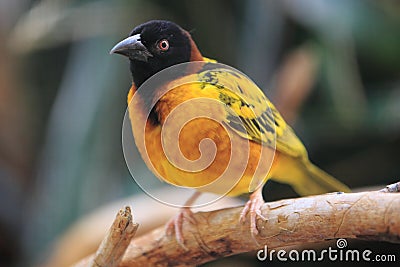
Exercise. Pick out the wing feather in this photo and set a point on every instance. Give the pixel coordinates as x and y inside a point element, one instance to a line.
<point>249,112</point>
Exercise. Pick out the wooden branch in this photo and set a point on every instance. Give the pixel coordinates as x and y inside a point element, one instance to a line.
<point>113,246</point>
<point>216,234</point>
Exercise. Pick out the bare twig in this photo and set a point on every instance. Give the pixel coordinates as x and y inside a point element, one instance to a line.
<point>216,234</point>
<point>113,246</point>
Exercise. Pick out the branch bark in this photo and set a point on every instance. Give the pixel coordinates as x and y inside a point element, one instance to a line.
<point>115,243</point>
<point>216,234</point>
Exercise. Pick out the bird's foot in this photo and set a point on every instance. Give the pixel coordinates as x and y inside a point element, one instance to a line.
<point>253,209</point>
<point>174,226</point>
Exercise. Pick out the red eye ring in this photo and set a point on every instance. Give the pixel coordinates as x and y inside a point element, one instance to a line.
<point>163,45</point>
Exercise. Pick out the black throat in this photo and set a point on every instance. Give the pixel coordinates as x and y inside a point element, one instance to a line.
<point>141,72</point>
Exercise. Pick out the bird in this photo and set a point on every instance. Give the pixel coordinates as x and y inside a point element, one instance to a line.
<point>246,119</point>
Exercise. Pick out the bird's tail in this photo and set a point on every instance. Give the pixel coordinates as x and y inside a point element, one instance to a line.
<point>308,179</point>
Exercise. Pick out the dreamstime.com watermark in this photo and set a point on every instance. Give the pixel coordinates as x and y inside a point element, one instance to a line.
<point>331,254</point>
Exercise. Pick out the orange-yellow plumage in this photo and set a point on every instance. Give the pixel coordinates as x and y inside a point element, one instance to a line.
<point>289,164</point>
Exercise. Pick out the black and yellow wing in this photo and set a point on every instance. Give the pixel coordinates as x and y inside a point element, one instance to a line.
<point>249,112</point>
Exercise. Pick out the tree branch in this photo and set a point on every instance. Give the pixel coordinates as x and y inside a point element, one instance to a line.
<point>216,234</point>
<point>114,245</point>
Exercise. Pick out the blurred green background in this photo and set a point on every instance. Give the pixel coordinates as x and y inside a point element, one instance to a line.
<point>331,67</point>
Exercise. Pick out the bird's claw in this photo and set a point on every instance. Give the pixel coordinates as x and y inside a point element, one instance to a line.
<point>253,209</point>
<point>175,225</point>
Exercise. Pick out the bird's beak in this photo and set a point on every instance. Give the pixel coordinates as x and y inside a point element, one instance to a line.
<point>132,48</point>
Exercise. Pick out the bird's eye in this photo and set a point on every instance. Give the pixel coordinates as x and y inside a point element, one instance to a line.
<point>163,45</point>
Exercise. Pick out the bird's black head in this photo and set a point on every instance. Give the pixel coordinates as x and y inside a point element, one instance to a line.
<point>154,46</point>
